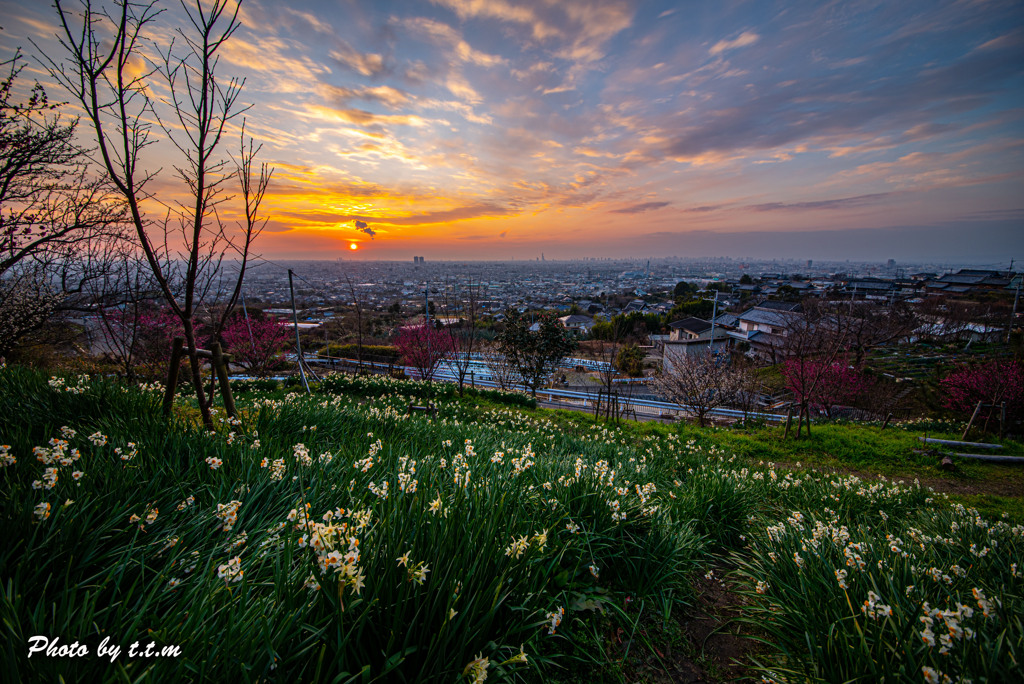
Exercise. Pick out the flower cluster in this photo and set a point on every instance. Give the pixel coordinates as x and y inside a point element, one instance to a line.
<point>874,609</point>
<point>335,543</point>
<point>231,571</point>
<point>519,546</point>
<point>554,619</point>
<point>227,514</point>
<point>80,386</point>
<point>148,517</point>
<point>129,452</point>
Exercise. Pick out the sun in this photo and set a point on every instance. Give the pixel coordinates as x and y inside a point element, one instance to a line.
<point>353,245</point>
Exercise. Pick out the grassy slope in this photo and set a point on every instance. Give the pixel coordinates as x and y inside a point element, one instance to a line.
<point>86,571</point>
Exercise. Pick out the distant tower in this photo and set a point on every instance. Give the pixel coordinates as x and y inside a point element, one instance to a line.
<point>810,263</point>
<point>892,263</point>
<point>542,256</point>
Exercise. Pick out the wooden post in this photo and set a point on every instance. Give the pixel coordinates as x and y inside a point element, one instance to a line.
<point>789,421</point>
<point>172,374</point>
<point>885,423</point>
<point>298,343</point>
<point>220,368</point>
<point>1002,420</point>
<point>971,421</point>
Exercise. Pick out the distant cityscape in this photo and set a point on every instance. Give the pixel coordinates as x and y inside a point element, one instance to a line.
<point>596,286</point>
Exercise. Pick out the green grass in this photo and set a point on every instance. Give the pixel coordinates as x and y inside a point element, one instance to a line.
<point>500,513</point>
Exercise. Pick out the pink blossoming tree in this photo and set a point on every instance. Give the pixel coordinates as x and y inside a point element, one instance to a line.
<point>256,344</point>
<point>422,347</point>
<point>992,383</point>
<point>825,385</point>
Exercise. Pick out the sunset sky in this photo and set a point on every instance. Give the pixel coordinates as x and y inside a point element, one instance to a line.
<point>493,129</point>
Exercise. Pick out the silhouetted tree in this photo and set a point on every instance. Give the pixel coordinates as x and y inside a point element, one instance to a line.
<point>101,71</point>
<point>461,307</point>
<point>702,381</point>
<point>630,360</point>
<point>55,219</point>
<point>535,354</point>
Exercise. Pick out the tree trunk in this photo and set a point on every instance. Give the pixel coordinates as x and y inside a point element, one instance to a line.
<point>197,379</point>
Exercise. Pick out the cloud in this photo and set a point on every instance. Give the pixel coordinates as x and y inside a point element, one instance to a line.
<point>746,38</point>
<point>272,58</point>
<point>390,97</point>
<point>363,227</point>
<point>583,27</point>
<point>472,211</point>
<point>517,13</point>
<point>363,63</point>
<point>995,215</point>
<point>447,36</point>
<point>831,106</point>
<point>838,203</point>
<point>361,117</point>
<point>640,208</point>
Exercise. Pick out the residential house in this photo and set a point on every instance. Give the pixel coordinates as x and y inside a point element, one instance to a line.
<point>692,336</point>
<point>969,280</point>
<point>764,326</point>
<point>635,305</point>
<point>871,288</point>
<point>577,323</point>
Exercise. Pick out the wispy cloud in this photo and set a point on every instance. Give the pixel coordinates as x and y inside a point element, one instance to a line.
<point>640,208</point>
<point>743,40</point>
<point>421,219</point>
<point>822,205</point>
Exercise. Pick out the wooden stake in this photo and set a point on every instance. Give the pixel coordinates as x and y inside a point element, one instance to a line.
<point>172,374</point>
<point>971,421</point>
<point>220,369</point>
<point>789,421</point>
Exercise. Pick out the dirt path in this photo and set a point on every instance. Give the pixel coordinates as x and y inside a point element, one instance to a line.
<point>703,644</point>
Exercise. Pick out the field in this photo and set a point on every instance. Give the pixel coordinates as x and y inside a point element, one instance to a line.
<point>335,537</point>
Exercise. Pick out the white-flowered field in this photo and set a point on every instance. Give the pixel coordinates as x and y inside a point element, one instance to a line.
<point>336,537</point>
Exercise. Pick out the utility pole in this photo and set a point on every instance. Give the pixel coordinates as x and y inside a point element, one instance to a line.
<point>298,344</point>
<point>1013,315</point>
<point>426,329</point>
<point>714,315</point>
<point>248,326</point>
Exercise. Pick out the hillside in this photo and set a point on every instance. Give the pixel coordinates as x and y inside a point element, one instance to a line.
<point>336,537</point>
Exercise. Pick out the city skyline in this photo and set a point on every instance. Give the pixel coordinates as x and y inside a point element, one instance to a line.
<point>485,129</point>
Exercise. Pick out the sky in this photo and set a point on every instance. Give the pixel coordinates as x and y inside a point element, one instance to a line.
<point>500,129</point>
